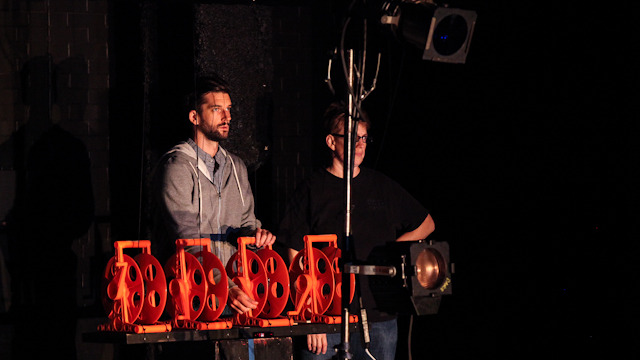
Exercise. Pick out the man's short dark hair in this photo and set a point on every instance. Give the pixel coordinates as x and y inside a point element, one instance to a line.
<point>204,85</point>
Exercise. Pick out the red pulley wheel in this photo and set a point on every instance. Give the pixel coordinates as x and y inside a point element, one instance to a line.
<point>123,281</point>
<point>255,285</point>
<point>217,286</point>
<point>322,287</point>
<point>155,286</point>
<point>278,280</point>
<point>334,254</point>
<point>187,292</point>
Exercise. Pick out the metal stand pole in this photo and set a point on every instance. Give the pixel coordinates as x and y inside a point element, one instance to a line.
<point>349,150</point>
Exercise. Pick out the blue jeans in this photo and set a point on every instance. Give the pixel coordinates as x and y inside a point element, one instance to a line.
<point>384,337</point>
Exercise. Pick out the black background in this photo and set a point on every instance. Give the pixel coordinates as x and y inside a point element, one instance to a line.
<point>527,157</point>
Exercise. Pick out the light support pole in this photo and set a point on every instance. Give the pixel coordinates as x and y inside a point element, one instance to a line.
<point>356,94</point>
<point>350,122</point>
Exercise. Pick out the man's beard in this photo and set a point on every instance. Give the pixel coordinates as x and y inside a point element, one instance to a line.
<point>213,134</point>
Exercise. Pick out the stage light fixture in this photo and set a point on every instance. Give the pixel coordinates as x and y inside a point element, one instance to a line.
<point>423,277</point>
<point>443,33</point>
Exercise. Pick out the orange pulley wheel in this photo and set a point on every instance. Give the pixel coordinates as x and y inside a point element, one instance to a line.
<point>249,273</point>
<point>187,287</point>
<point>155,286</point>
<point>123,289</point>
<point>278,280</point>
<point>215,276</point>
<point>312,283</point>
<point>333,254</point>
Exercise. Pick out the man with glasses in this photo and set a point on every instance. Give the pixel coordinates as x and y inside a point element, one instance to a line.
<point>382,211</point>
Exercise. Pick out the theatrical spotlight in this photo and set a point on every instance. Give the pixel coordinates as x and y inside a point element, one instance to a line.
<point>443,32</point>
<point>423,276</point>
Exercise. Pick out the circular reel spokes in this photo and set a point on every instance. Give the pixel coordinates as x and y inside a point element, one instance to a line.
<point>186,291</point>
<point>278,283</point>
<point>155,286</point>
<point>215,276</point>
<point>320,287</point>
<point>333,254</point>
<point>123,289</point>
<point>251,277</point>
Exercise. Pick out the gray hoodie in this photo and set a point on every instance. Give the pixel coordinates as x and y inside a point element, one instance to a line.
<point>184,196</point>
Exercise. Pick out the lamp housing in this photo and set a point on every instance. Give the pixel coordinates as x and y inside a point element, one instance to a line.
<point>423,277</point>
<point>443,33</point>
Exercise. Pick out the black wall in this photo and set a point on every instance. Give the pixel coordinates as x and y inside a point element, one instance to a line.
<point>526,156</point>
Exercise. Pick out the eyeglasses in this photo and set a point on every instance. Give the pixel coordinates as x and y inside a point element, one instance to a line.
<point>366,139</point>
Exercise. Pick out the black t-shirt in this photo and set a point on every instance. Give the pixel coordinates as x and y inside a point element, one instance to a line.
<point>381,211</point>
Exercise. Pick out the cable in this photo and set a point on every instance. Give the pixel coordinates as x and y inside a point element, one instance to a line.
<point>144,30</point>
<point>364,321</point>
<point>369,353</point>
<point>365,328</point>
<point>390,110</point>
<point>195,135</point>
<point>409,337</point>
